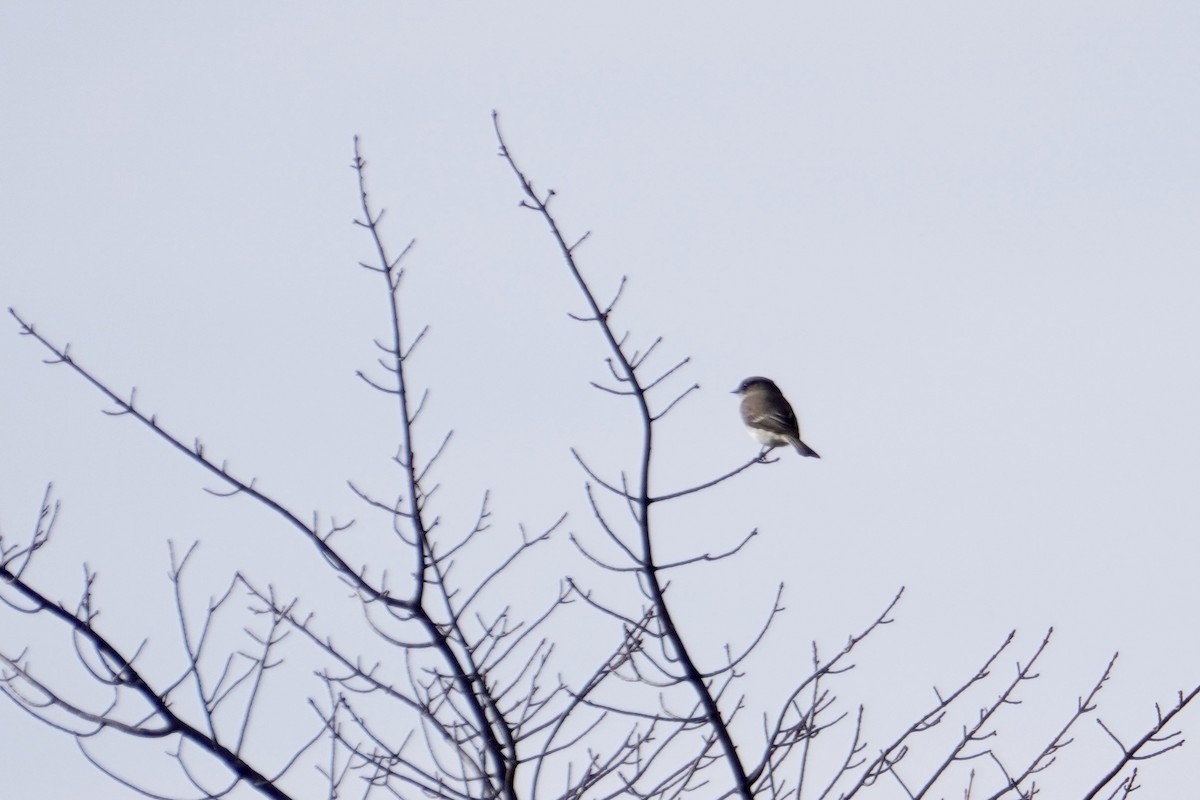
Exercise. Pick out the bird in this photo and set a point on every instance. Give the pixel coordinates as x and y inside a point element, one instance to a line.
<point>768,416</point>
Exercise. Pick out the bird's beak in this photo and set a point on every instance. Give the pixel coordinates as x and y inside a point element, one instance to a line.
<point>736,391</point>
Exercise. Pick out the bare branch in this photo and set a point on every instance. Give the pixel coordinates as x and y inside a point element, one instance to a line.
<point>1152,736</point>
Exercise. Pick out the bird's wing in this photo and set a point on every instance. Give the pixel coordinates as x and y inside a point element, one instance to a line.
<point>778,420</point>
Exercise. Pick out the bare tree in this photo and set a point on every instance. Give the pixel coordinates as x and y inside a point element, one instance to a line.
<point>442,689</point>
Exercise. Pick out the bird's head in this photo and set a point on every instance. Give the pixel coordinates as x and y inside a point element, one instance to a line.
<point>755,381</point>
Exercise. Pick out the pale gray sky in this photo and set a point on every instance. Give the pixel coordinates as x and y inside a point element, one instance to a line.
<point>961,237</point>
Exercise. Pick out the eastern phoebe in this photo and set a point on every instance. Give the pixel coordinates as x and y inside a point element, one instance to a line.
<point>768,416</point>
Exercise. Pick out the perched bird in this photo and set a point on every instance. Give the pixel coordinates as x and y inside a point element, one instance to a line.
<point>768,416</point>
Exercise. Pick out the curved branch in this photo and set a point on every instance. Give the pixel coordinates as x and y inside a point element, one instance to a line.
<point>131,678</point>
<point>682,492</point>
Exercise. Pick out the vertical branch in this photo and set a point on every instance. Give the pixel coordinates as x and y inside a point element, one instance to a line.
<point>391,272</point>
<point>642,499</point>
<point>493,728</point>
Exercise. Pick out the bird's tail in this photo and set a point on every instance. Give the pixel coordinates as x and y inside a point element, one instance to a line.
<point>804,449</point>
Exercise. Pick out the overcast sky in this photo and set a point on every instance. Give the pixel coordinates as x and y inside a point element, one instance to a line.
<point>961,237</point>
